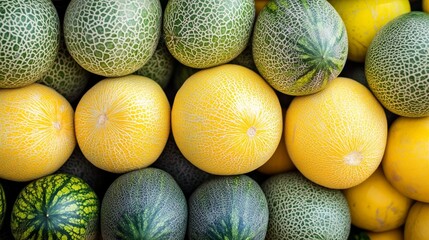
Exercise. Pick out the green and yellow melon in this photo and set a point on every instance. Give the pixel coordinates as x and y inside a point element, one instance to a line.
<point>228,207</point>
<point>58,206</point>
<point>299,46</point>
<point>396,65</point>
<point>144,204</point>
<point>29,40</point>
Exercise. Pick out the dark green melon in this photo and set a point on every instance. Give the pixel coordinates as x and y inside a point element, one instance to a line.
<point>184,172</point>
<point>299,45</point>
<point>300,209</point>
<point>207,33</point>
<point>3,205</point>
<point>29,40</point>
<point>57,206</point>
<point>396,65</point>
<point>144,204</point>
<point>112,38</point>
<point>228,207</point>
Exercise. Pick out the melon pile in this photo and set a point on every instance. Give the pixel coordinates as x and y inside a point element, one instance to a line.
<point>233,119</point>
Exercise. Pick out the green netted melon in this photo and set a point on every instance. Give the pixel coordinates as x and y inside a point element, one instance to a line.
<point>57,206</point>
<point>112,38</point>
<point>300,209</point>
<point>144,204</point>
<point>66,76</point>
<point>206,33</point>
<point>396,65</point>
<point>184,172</point>
<point>160,66</point>
<point>299,46</point>
<point>29,40</point>
<point>3,204</point>
<point>228,207</point>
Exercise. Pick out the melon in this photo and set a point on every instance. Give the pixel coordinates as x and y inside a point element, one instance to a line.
<point>396,65</point>
<point>228,207</point>
<point>2,205</point>
<point>58,206</point>
<point>112,38</point>
<point>144,204</point>
<point>29,37</point>
<point>302,209</point>
<point>207,33</point>
<point>299,46</point>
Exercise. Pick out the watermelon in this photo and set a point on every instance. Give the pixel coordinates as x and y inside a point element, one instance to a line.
<point>2,205</point>
<point>57,206</point>
<point>301,209</point>
<point>29,40</point>
<point>299,46</point>
<point>144,204</point>
<point>228,207</point>
<point>396,65</point>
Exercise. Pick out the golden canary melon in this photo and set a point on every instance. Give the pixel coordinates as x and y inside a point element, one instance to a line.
<point>123,123</point>
<point>336,137</point>
<point>226,120</point>
<point>425,6</point>
<point>375,205</point>
<point>363,19</point>
<point>37,132</point>
<point>416,225</point>
<point>394,234</point>
<point>406,161</point>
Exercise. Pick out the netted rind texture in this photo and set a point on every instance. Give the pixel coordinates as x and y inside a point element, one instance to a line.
<point>300,209</point>
<point>112,38</point>
<point>202,34</point>
<point>29,40</point>
<point>228,207</point>
<point>299,46</point>
<point>144,204</point>
<point>397,65</point>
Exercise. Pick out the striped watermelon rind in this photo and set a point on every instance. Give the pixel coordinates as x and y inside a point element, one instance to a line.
<point>57,206</point>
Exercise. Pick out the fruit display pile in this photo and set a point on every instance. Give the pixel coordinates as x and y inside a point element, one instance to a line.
<point>208,119</point>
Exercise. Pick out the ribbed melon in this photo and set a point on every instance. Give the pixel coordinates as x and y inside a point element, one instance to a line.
<point>144,204</point>
<point>58,206</point>
<point>112,38</point>
<point>300,209</point>
<point>2,205</point>
<point>228,207</point>
<point>396,65</point>
<point>299,46</point>
<point>207,33</point>
<point>29,40</point>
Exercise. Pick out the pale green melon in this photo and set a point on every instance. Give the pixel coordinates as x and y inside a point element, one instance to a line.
<point>112,38</point>
<point>29,40</point>
<point>397,65</point>
<point>300,209</point>
<point>299,46</point>
<point>206,33</point>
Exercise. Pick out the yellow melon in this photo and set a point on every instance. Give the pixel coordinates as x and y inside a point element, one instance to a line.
<point>406,161</point>
<point>417,222</point>
<point>425,6</point>
<point>123,123</point>
<point>226,120</point>
<point>394,234</point>
<point>336,137</point>
<point>37,133</point>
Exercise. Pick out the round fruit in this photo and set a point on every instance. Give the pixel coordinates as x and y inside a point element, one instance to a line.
<point>416,225</point>
<point>29,37</point>
<point>301,209</point>
<point>336,137</point>
<point>112,38</point>
<point>226,120</point>
<point>228,207</point>
<point>123,123</point>
<point>299,46</point>
<point>395,234</point>
<point>396,65</point>
<point>425,6</point>
<point>66,76</point>
<point>364,18</point>
<point>37,133</point>
<point>58,206</point>
<point>144,204</point>
<point>2,205</point>
<point>375,205</point>
<point>207,33</point>
<point>406,160</point>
